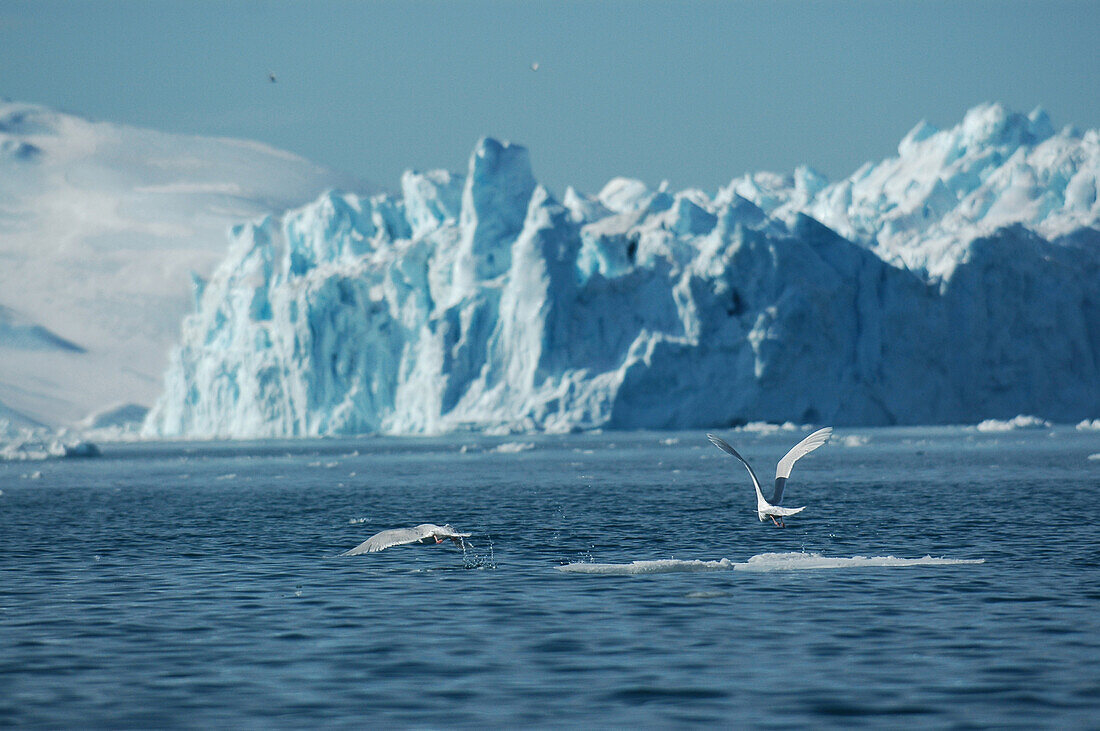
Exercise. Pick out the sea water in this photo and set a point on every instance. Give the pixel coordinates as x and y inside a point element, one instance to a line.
<point>938,576</point>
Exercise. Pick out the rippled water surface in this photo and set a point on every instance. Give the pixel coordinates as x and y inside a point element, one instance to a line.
<point>615,579</point>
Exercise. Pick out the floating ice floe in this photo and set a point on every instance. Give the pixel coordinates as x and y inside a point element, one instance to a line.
<point>1020,422</point>
<point>513,447</point>
<point>764,427</point>
<point>761,563</point>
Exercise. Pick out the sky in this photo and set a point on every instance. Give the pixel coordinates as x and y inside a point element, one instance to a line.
<point>695,92</point>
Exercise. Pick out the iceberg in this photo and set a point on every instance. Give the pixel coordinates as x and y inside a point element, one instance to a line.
<point>918,291</point>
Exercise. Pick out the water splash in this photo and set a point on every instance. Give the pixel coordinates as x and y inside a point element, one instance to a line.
<point>471,559</point>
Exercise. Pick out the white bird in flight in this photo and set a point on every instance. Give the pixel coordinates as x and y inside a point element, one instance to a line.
<point>426,533</point>
<point>770,508</point>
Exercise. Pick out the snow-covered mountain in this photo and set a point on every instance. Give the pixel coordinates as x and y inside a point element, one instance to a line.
<point>968,288</point>
<point>100,226</point>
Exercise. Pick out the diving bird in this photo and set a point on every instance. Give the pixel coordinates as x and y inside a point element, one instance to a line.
<point>425,533</point>
<point>771,508</point>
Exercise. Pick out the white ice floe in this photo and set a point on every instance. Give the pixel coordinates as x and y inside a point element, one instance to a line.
<point>658,566</point>
<point>761,563</point>
<point>1020,422</point>
<point>764,427</point>
<point>513,447</point>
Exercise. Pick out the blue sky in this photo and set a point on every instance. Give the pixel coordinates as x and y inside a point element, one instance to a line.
<point>695,92</point>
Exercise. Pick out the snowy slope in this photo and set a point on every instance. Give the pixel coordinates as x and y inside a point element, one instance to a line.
<point>100,226</point>
<point>481,302</point>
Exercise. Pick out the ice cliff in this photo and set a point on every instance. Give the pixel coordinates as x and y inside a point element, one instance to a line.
<point>956,282</point>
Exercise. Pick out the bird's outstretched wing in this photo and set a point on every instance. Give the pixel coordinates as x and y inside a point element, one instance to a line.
<point>401,536</point>
<point>392,537</point>
<point>783,469</point>
<point>725,447</point>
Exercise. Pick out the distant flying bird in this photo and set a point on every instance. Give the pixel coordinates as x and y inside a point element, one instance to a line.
<point>425,533</point>
<point>535,66</point>
<point>770,508</point>
<point>271,76</point>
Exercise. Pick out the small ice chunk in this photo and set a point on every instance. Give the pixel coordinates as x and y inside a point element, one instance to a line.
<point>513,447</point>
<point>1020,422</point>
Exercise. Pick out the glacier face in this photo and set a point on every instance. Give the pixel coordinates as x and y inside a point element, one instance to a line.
<point>957,282</point>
